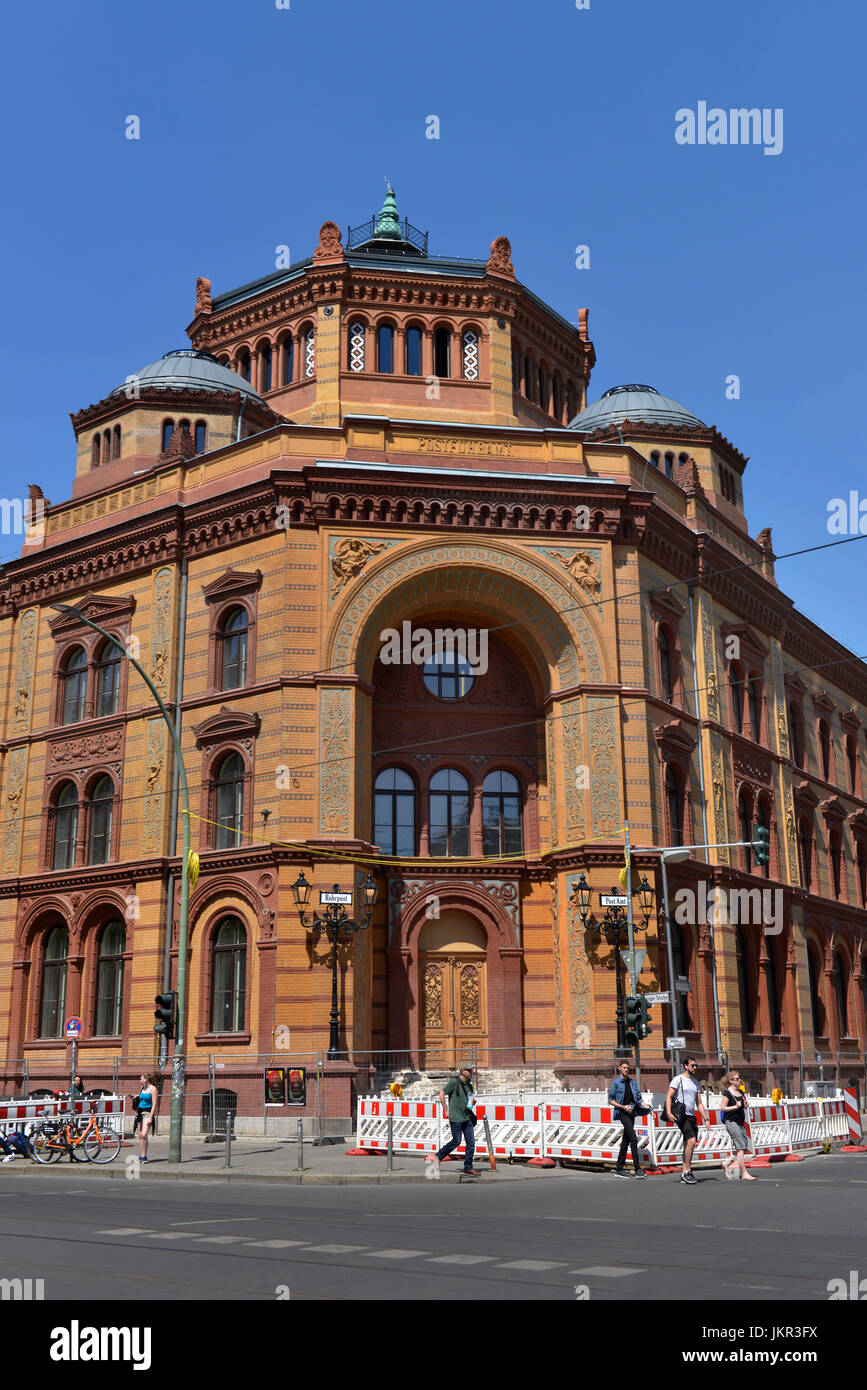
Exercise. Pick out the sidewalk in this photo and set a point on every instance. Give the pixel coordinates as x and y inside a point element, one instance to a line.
<point>274,1161</point>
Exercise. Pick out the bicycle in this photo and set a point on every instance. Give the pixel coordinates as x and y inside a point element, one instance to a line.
<point>95,1142</point>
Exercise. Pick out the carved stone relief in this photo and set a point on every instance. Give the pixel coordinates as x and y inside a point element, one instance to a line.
<point>335,781</point>
<point>349,555</point>
<point>162,626</point>
<point>603,767</point>
<point>572,759</point>
<point>558,964</point>
<point>580,986</point>
<point>24,677</point>
<point>155,759</point>
<point>15,782</point>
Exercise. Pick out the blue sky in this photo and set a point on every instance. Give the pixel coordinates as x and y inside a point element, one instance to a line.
<point>557,129</point>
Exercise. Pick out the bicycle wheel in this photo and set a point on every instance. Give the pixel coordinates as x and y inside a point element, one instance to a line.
<point>102,1145</point>
<point>77,1146</point>
<point>45,1145</point>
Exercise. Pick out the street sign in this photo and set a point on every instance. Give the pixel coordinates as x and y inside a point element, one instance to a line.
<point>682,985</point>
<point>639,960</point>
<point>614,900</point>
<point>660,997</point>
<point>675,1044</point>
<point>343,898</point>
<point>73,1028</point>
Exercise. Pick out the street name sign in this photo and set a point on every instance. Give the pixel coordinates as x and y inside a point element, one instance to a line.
<point>333,898</point>
<point>614,900</point>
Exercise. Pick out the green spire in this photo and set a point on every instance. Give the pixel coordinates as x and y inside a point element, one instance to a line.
<point>387,223</point>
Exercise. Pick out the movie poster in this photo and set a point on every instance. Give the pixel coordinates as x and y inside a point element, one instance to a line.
<point>275,1086</point>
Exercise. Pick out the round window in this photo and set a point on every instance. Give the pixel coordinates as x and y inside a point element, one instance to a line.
<point>449,677</point>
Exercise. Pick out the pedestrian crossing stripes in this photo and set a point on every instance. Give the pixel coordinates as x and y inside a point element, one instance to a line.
<point>527,1266</point>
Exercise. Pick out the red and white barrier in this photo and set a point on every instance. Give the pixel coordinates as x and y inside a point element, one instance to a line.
<point>17,1111</point>
<point>416,1125</point>
<point>853,1115</point>
<point>591,1132</point>
<point>804,1119</point>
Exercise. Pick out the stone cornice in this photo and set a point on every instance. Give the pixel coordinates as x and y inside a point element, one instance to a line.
<point>694,434</point>
<point>185,397</point>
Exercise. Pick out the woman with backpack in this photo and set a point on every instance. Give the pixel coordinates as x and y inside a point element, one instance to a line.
<point>734,1113</point>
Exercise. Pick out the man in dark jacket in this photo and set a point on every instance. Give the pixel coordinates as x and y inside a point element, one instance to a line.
<point>625,1098</point>
<point>461,1118</point>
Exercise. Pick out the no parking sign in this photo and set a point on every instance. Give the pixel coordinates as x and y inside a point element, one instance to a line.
<point>73,1029</point>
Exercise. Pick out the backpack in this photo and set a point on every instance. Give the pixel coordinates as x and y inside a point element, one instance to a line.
<point>18,1143</point>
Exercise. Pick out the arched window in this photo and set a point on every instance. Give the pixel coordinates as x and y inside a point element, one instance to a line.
<point>570,402</point>
<point>825,749</point>
<point>681,971</point>
<point>94,450</point>
<point>775,1019</point>
<point>201,436</point>
<point>229,977</point>
<point>665,672</point>
<point>266,363</point>
<point>736,685</point>
<point>244,365</point>
<point>674,797</point>
<point>52,999</point>
<point>530,380</point>
<point>502,831</point>
<point>745,993</point>
<point>108,680</point>
<point>754,694</point>
<point>74,681</point>
<point>234,632</point>
<point>109,980</point>
<point>841,983</point>
<point>449,676</point>
<point>852,761</point>
<point>805,851</point>
<point>413,352</point>
<point>394,812</point>
<point>357,346</point>
<point>115,442</point>
<point>861,856</point>
<point>543,388</point>
<point>385,348</point>
<point>288,361</point>
<point>449,813</point>
<point>229,784</point>
<point>65,827</point>
<point>168,431</point>
<point>795,739</point>
<point>817,1010</point>
<point>106,446</point>
<point>101,808</point>
<point>763,818</point>
<point>835,850</point>
<point>745,816</point>
<point>442,351</point>
<point>654,458</point>
<point>669,465</point>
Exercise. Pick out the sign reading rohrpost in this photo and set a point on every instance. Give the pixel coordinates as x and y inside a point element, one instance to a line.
<point>344,899</point>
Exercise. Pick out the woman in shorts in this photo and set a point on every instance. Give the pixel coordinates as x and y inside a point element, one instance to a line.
<point>734,1110</point>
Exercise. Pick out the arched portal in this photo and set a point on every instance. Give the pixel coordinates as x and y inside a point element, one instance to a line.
<point>452,989</point>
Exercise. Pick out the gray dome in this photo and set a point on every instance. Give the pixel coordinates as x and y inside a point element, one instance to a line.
<point>186,367</point>
<point>642,403</point>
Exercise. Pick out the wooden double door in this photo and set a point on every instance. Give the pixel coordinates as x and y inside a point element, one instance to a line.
<point>453,991</point>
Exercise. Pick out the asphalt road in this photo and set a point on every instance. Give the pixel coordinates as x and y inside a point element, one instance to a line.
<point>783,1237</point>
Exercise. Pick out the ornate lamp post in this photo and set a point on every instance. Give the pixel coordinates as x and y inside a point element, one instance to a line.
<point>333,924</point>
<point>615,921</point>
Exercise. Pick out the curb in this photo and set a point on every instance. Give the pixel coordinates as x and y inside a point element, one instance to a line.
<point>293,1178</point>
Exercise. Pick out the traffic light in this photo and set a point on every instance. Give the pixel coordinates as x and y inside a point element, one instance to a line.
<point>165,1013</point>
<point>761,844</point>
<point>633,1016</point>
<point>643,1018</point>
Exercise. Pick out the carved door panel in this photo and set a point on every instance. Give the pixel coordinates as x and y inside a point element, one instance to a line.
<point>453,1008</point>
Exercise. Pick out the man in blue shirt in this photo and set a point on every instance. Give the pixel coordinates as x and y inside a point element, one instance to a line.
<point>625,1097</point>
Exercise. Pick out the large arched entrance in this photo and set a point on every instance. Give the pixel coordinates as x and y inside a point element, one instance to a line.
<point>452,990</point>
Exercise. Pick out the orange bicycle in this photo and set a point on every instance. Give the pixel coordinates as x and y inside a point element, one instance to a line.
<point>96,1141</point>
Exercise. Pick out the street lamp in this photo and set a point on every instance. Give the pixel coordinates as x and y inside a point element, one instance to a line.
<point>333,924</point>
<point>671,856</point>
<point>177,1105</point>
<point>615,921</point>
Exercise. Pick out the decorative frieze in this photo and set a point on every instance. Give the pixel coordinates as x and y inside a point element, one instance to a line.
<point>24,674</point>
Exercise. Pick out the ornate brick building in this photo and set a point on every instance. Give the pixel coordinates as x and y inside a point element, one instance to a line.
<point>370,438</point>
